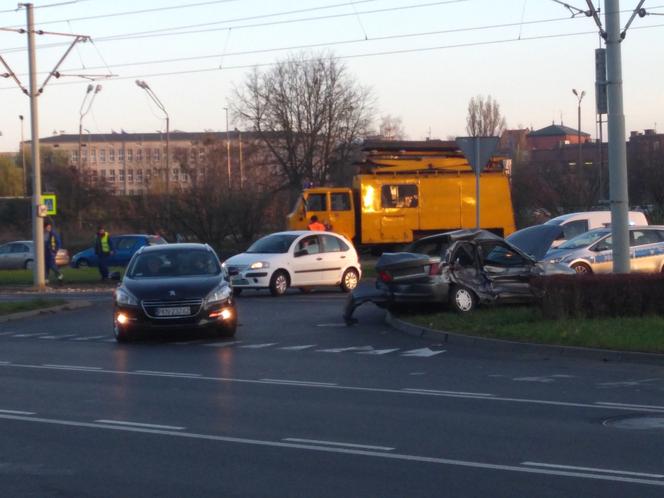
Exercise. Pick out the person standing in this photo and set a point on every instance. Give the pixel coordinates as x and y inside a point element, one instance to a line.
<point>51,246</point>
<point>316,225</point>
<point>103,250</point>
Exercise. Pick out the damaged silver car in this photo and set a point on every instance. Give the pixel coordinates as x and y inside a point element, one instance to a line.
<point>463,268</point>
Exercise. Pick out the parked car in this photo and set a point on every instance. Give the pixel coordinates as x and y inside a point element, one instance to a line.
<point>300,259</point>
<point>463,268</point>
<point>174,286</point>
<point>21,254</point>
<point>592,252</point>
<point>538,239</point>
<point>124,248</point>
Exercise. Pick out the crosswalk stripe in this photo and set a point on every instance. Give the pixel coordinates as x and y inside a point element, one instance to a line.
<point>378,351</point>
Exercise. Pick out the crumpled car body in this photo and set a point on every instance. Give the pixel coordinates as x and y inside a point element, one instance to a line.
<point>462,268</point>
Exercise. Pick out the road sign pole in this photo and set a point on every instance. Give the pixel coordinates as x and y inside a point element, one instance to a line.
<point>477,184</point>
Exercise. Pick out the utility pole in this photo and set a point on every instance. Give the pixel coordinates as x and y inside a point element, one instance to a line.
<point>239,137</point>
<point>25,174</point>
<point>579,97</point>
<point>228,150</point>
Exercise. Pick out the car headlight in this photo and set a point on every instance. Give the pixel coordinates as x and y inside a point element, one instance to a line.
<point>258,265</point>
<point>124,297</point>
<point>218,295</point>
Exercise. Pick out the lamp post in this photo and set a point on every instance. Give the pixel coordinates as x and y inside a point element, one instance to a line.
<point>82,112</point>
<point>142,84</point>
<point>579,97</point>
<point>25,175</point>
<point>228,150</point>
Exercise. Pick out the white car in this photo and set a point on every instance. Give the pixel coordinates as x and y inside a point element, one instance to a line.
<point>300,259</point>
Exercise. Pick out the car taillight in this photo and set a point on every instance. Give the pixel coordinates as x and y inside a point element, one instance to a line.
<point>384,276</point>
<point>434,268</point>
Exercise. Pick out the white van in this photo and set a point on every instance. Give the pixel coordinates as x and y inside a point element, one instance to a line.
<point>574,224</point>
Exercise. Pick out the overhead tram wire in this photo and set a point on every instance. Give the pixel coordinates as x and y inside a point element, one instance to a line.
<point>356,56</point>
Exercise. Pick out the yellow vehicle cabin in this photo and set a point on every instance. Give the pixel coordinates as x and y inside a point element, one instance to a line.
<point>407,190</point>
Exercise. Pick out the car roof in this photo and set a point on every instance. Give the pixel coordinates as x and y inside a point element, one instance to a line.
<point>135,235</point>
<point>454,235</point>
<point>192,246</point>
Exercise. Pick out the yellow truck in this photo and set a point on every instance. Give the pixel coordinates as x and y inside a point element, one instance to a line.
<point>407,190</point>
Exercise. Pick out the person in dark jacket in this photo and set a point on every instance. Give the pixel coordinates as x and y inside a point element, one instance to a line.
<point>103,250</point>
<point>51,246</point>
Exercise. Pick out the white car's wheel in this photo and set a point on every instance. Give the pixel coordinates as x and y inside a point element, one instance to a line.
<point>350,280</point>
<point>29,264</point>
<point>279,283</point>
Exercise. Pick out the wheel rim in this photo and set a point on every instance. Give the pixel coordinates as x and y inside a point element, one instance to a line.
<point>30,265</point>
<point>581,269</point>
<point>82,264</point>
<point>463,299</point>
<point>281,283</point>
<point>350,279</point>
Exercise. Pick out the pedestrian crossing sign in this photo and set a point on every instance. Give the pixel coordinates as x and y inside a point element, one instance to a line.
<point>50,201</point>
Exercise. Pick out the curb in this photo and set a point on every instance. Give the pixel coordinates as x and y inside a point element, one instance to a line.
<point>68,306</point>
<point>507,346</point>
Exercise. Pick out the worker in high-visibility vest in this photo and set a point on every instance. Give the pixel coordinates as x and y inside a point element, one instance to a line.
<point>103,250</point>
<point>315,224</point>
<point>51,247</point>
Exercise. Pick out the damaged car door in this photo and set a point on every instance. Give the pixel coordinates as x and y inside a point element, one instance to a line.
<point>507,271</point>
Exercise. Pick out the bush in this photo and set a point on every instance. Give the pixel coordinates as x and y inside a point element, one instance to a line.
<point>590,296</point>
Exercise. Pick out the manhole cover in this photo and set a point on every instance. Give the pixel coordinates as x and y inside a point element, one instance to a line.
<point>638,422</point>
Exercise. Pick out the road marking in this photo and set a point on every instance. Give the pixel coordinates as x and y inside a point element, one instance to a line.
<point>435,392</point>
<point>340,324</point>
<point>259,346</point>
<point>333,443</point>
<point>222,344</point>
<point>167,374</point>
<point>137,424</point>
<point>298,382</point>
<point>627,405</point>
<point>26,335</point>
<point>422,353</point>
<point>341,350</point>
<point>5,362</point>
<point>298,348</point>
<point>88,338</point>
<point>46,337</point>
<point>71,367</point>
<point>592,469</point>
<point>379,351</point>
<point>16,412</point>
<point>340,451</point>
<point>7,333</point>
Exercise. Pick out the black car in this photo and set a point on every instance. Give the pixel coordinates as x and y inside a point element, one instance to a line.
<point>174,286</point>
<point>462,268</point>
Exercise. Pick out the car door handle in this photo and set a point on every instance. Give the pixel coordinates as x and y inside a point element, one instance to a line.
<point>343,257</point>
<point>319,259</point>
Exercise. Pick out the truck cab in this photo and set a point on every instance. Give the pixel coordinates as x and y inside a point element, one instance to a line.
<point>334,207</point>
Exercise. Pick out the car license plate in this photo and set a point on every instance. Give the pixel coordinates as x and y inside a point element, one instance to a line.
<point>174,311</point>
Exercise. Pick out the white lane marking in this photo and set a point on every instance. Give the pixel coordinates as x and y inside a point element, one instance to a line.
<point>26,335</point>
<point>333,443</point>
<point>16,412</point>
<point>379,351</point>
<point>627,405</point>
<point>87,338</point>
<point>298,382</point>
<point>71,367</point>
<point>340,451</point>
<point>331,325</point>
<point>444,393</point>
<point>46,337</point>
<point>222,344</point>
<point>592,469</point>
<point>138,424</point>
<point>422,353</point>
<point>543,402</point>
<point>8,333</point>
<point>167,374</point>
<point>5,362</point>
<point>534,379</point>
<point>298,348</point>
<point>259,346</point>
<point>341,350</point>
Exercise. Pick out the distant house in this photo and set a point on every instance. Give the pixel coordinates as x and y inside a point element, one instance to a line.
<point>555,136</point>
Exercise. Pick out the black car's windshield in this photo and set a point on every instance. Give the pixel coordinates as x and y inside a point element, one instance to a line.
<point>584,240</point>
<point>174,263</point>
<point>272,244</point>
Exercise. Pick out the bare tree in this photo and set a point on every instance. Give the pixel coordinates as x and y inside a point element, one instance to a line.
<point>391,128</point>
<point>484,118</point>
<point>308,111</point>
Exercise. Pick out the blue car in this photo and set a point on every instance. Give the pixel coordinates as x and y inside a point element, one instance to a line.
<point>124,247</point>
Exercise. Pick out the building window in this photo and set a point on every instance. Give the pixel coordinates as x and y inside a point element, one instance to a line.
<point>122,175</point>
<point>103,174</point>
<point>139,176</point>
<point>74,155</point>
<point>399,196</point>
<point>130,154</point>
<point>102,155</point>
<point>130,175</point>
<point>174,174</point>
<point>111,175</point>
<point>139,154</point>
<point>121,154</point>
<point>111,155</point>
<point>156,155</point>
<point>93,155</point>
<point>84,154</point>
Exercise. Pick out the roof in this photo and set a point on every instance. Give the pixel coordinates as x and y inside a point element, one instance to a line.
<point>411,145</point>
<point>174,136</point>
<point>555,130</point>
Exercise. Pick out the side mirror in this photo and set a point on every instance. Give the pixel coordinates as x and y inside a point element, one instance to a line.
<point>116,276</point>
<point>301,252</point>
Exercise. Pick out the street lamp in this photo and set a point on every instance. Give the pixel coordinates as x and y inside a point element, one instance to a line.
<point>82,113</point>
<point>142,84</point>
<point>228,150</point>
<point>579,97</point>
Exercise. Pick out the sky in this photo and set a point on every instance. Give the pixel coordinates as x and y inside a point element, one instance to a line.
<point>422,59</point>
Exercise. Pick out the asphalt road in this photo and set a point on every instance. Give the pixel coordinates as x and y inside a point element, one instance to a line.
<point>298,404</point>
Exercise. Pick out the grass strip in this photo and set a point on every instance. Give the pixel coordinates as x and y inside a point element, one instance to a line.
<point>526,324</point>
<point>32,304</point>
<point>71,276</point>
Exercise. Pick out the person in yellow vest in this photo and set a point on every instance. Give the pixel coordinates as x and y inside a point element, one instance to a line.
<point>315,224</point>
<point>51,246</point>
<point>103,250</point>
